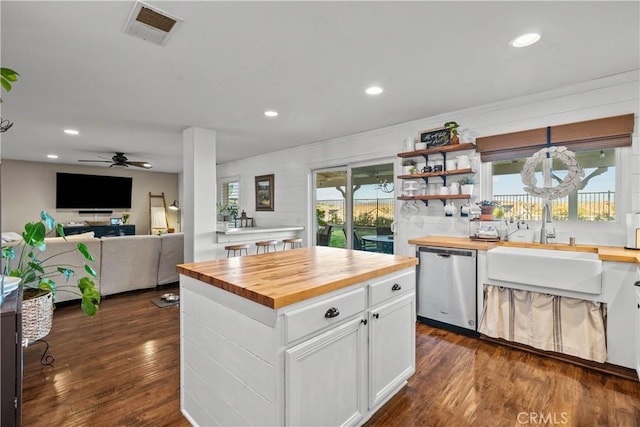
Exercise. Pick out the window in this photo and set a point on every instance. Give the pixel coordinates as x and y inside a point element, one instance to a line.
<point>594,200</point>
<point>230,191</point>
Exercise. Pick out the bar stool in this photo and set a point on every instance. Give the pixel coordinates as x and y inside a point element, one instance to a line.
<point>265,245</point>
<point>239,248</point>
<point>294,241</point>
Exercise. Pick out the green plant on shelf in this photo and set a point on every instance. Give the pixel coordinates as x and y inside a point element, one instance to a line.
<point>408,162</point>
<point>467,180</point>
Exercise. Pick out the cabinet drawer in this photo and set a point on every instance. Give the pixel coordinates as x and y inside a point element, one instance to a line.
<point>391,287</point>
<point>317,316</point>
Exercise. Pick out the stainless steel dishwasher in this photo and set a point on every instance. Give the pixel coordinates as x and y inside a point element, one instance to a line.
<point>447,288</point>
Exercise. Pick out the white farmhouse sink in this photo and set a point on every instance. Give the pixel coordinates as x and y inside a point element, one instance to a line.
<point>546,268</point>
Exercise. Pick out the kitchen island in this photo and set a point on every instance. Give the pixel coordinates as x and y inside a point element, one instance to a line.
<point>316,335</point>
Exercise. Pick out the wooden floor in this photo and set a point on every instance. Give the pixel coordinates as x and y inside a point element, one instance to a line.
<point>121,368</point>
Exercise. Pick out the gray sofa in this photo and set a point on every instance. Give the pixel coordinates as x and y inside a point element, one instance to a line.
<point>123,263</point>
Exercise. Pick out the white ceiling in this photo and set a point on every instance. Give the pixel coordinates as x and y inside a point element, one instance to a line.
<point>311,61</point>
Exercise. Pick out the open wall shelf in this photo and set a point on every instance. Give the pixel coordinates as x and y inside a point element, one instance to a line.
<point>432,174</point>
<point>439,150</point>
<point>443,198</point>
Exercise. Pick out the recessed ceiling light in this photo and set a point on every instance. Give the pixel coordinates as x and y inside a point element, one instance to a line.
<point>52,156</point>
<point>71,132</point>
<point>271,113</point>
<point>374,90</point>
<point>525,40</point>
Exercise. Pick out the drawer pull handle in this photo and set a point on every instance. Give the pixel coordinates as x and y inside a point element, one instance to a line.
<point>396,287</point>
<point>376,315</point>
<point>332,312</point>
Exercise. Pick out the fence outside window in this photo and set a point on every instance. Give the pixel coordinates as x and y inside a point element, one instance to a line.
<point>586,206</point>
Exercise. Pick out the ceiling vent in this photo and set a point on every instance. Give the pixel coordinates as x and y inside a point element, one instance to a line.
<point>150,23</point>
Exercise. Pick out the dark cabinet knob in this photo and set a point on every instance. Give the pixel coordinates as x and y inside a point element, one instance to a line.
<point>364,321</point>
<point>376,315</point>
<point>332,312</point>
<point>637,283</point>
<point>396,287</point>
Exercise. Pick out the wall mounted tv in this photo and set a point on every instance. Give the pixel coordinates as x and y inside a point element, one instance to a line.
<point>80,191</point>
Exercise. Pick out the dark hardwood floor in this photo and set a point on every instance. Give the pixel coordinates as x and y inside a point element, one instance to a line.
<point>121,368</point>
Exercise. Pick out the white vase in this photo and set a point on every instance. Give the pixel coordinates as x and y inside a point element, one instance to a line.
<point>466,188</point>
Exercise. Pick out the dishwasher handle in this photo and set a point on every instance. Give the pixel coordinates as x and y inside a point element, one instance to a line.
<point>442,252</point>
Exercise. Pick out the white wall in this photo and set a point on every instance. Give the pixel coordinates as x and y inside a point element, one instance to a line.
<point>30,187</point>
<point>605,97</point>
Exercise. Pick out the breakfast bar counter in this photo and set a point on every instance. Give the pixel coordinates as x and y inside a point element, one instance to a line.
<point>309,336</point>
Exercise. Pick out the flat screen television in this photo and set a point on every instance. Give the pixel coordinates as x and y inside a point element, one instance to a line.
<point>80,191</point>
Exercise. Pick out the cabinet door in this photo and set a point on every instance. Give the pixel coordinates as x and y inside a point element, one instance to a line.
<point>392,349</point>
<point>325,378</point>
<point>637,286</point>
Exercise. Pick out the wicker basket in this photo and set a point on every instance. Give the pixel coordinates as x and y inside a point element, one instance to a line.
<point>37,315</point>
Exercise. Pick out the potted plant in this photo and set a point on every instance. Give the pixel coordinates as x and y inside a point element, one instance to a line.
<point>407,166</point>
<point>486,209</point>
<point>466,185</point>
<point>7,76</point>
<point>452,127</point>
<point>28,261</point>
<point>224,210</point>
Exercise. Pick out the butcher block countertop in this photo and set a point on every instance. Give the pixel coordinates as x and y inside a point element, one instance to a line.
<point>281,278</point>
<point>605,253</point>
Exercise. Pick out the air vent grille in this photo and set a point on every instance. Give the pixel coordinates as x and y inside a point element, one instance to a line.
<point>155,20</point>
<point>150,23</point>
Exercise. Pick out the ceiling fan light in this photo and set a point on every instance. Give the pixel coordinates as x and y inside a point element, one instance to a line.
<point>147,165</point>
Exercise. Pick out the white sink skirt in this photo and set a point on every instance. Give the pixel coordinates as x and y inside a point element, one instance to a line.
<point>547,322</point>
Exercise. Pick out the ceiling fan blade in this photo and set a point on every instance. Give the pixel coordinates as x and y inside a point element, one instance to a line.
<point>98,161</point>
<point>145,165</point>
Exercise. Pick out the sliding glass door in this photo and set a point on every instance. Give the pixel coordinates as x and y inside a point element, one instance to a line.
<point>354,207</point>
<point>373,206</point>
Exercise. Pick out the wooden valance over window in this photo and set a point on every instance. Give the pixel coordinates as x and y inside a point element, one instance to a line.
<point>609,132</point>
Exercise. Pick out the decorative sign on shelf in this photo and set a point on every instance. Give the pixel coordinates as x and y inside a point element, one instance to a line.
<point>435,137</point>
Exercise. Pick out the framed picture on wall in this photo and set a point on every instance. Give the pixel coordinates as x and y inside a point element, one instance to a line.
<point>264,193</point>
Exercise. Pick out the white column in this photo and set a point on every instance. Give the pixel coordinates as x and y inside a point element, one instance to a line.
<point>199,194</point>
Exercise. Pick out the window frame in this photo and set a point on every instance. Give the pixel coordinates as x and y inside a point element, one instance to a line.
<point>623,188</point>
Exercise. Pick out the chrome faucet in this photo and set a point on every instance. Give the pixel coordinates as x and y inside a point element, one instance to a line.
<point>546,218</point>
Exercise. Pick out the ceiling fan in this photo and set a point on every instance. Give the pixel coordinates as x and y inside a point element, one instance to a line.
<point>119,159</point>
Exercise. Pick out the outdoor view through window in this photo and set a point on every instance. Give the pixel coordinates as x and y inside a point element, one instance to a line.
<point>371,204</point>
<point>593,201</point>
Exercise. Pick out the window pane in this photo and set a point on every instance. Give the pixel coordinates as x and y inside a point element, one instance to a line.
<point>593,201</point>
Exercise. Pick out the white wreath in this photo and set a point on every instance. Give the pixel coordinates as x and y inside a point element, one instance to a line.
<point>568,185</point>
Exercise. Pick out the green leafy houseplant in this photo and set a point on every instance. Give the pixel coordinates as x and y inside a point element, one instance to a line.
<point>467,180</point>
<point>452,127</point>
<point>28,260</point>
<point>8,76</point>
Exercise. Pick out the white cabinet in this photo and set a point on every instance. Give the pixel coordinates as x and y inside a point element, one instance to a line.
<point>325,377</point>
<point>392,346</point>
<point>637,286</point>
<point>329,360</point>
